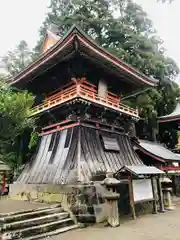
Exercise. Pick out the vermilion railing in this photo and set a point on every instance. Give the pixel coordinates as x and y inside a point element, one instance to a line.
<point>81,88</point>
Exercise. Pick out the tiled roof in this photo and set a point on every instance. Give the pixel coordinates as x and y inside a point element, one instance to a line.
<point>157,151</point>
<point>142,170</point>
<point>86,46</point>
<point>174,116</point>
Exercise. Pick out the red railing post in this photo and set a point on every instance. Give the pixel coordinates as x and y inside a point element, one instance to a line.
<point>81,87</point>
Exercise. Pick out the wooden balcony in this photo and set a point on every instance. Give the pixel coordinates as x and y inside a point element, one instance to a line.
<point>80,88</point>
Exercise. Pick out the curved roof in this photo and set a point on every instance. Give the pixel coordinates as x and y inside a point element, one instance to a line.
<point>77,41</point>
<point>157,151</point>
<point>174,116</point>
<point>142,170</point>
<point>50,40</point>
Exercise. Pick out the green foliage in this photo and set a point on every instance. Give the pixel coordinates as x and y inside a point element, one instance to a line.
<point>16,60</point>
<point>123,28</point>
<point>33,139</point>
<point>130,35</point>
<point>93,16</point>
<point>15,109</point>
<point>14,121</point>
<point>178,134</point>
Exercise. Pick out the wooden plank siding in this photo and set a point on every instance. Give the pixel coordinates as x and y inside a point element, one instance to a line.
<point>60,165</point>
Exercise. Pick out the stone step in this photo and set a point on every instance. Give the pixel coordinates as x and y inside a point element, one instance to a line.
<point>29,215</point>
<point>34,221</point>
<point>37,230</point>
<point>29,210</point>
<point>51,233</point>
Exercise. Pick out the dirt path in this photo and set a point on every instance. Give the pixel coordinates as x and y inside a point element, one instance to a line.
<point>163,226</point>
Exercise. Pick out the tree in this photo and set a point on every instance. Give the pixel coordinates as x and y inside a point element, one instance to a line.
<point>93,16</point>
<point>15,121</point>
<point>130,35</point>
<point>123,27</point>
<point>16,60</point>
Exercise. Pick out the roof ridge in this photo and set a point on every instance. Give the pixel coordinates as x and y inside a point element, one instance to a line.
<point>90,43</point>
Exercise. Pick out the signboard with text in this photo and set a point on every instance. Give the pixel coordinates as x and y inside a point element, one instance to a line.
<point>142,189</point>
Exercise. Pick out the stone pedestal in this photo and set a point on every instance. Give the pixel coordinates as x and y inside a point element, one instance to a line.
<point>111,198</point>
<point>112,209</point>
<point>167,198</point>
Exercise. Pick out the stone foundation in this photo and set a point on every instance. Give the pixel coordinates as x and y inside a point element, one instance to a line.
<point>72,198</point>
<point>41,193</point>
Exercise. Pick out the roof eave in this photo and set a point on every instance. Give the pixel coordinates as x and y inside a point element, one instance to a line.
<point>43,58</point>
<point>116,61</point>
<point>158,158</point>
<point>151,155</point>
<point>154,170</point>
<point>168,119</point>
<point>82,37</point>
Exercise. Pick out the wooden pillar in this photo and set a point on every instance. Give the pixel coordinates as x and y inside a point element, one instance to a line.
<point>154,195</point>
<point>102,88</point>
<point>131,196</point>
<point>3,182</point>
<point>160,195</point>
<point>79,154</point>
<point>174,185</point>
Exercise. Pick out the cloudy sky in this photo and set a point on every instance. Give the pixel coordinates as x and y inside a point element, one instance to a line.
<point>21,19</point>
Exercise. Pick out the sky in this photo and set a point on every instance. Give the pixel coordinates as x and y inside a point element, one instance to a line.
<point>21,19</point>
<point>166,18</point>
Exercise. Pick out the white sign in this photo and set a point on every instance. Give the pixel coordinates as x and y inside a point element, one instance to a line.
<point>142,189</point>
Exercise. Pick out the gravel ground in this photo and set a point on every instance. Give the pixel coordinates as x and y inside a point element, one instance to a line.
<point>162,226</point>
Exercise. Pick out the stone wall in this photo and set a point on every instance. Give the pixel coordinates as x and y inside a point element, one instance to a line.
<point>78,199</point>
<point>49,193</point>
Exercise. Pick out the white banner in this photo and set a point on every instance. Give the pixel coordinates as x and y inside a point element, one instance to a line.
<point>142,189</point>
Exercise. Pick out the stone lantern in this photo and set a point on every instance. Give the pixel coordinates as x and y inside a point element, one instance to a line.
<point>167,190</point>
<point>111,198</point>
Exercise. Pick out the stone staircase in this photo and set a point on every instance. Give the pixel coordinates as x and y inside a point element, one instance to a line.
<point>36,224</point>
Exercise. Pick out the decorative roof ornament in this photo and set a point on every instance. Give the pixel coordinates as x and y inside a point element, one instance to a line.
<point>51,38</point>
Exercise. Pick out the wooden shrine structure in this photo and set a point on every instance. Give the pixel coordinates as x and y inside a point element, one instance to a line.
<point>85,129</point>
<point>173,120</point>
<point>172,117</point>
<point>157,154</point>
<point>84,125</point>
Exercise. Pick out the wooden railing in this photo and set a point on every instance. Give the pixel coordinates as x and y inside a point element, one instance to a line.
<point>81,88</point>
